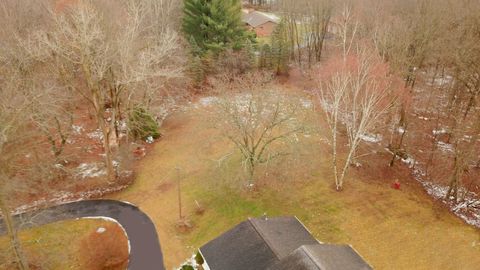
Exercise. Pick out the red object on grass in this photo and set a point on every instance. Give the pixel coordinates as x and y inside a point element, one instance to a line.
<point>396,185</point>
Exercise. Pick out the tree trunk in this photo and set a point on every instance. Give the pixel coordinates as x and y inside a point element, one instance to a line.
<point>454,181</point>
<point>99,106</point>
<point>12,234</point>
<point>108,151</point>
<point>334,149</point>
<point>399,146</point>
<point>251,171</point>
<point>352,150</point>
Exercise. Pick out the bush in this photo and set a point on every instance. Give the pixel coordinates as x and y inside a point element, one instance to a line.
<point>199,258</point>
<point>187,267</point>
<point>142,125</point>
<point>106,250</point>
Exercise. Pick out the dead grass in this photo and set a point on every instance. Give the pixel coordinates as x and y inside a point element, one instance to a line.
<point>392,229</point>
<point>55,246</point>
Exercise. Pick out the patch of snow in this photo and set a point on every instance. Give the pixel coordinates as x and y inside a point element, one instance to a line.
<point>467,138</point>
<point>307,104</point>
<point>445,147</point>
<point>409,161</point>
<point>90,170</point>
<point>468,209</point>
<point>101,230</point>
<point>97,134</point>
<point>441,81</point>
<point>65,197</point>
<point>115,163</point>
<point>401,130</point>
<point>439,131</point>
<point>423,118</point>
<point>122,125</point>
<point>208,101</point>
<point>149,140</point>
<point>190,261</point>
<point>58,166</point>
<point>77,130</point>
<point>376,138</point>
<point>357,164</point>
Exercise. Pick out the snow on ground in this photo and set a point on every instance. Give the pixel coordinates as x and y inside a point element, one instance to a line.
<point>441,81</point>
<point>90,170</point>
<point>77,130</point>
<point>445,147</point>
<point>439,131</point>
<point>63,197</point>
<point>467,138</point>
<point>97,134</point>
<point>191,261</point>
<point>207,101</point>
<point>373,138</point>
<point>423,118</point>
<point>149,140</point>
<point>467,209</point>
<point>307,104</point>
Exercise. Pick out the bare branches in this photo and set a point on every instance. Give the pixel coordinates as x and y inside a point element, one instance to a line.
<point>258,124</point>
<point>354,97</point>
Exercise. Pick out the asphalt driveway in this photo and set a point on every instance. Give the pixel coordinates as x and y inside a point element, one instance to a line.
<point>145,251</point>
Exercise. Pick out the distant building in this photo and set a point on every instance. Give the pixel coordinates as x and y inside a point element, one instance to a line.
<point>261,22</point>
<point>280,243</point>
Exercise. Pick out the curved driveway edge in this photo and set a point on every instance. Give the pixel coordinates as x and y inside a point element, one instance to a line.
<point>145,252</point>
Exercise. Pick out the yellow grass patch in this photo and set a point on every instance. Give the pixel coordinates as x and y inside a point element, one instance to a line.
<point>53,246</point>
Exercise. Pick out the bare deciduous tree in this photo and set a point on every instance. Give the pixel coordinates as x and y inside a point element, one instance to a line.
<point>121,64</point>
<point>307,24</point>
<point>354,98</point>
<point>259,122</point>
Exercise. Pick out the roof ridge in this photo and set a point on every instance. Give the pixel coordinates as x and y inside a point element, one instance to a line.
<point>317,263</point>
<point>306,229</point>
<point>258,230</point>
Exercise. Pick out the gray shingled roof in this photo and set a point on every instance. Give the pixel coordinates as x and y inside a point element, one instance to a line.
<point>257,18</point>
<point>283,234</point>
<point>256,244</point>
<point>322,257</point>
<point>280,243</point>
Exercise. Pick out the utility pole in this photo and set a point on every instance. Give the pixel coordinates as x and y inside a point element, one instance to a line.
<point>179,187</point>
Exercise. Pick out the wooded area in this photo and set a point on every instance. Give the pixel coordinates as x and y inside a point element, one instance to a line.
<point>400,77</point>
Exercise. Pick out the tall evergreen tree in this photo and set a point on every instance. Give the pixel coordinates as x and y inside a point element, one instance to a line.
<point>214,25</point>
<point>280,49</point>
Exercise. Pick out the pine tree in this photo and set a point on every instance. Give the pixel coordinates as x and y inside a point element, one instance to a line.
<point>265,60</point>
<point>214,25</point>
<point>280,50</point>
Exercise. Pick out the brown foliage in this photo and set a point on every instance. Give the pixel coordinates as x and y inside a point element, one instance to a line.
<point>107,250</point>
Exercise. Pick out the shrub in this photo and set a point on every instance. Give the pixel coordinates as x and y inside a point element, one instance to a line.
<point>106,250</point>
<point>187,267</point>
<point>199,259</point>
<point>142,125</point>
